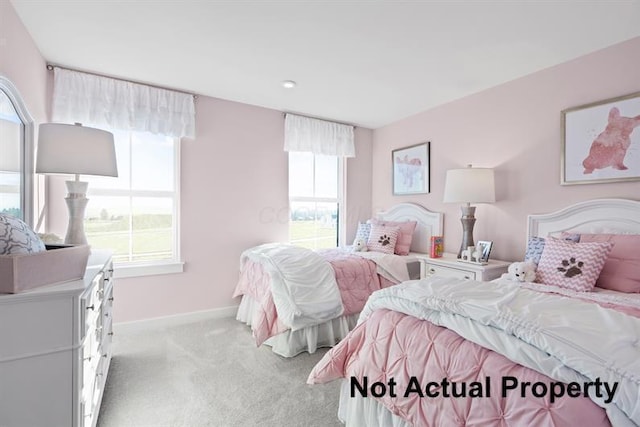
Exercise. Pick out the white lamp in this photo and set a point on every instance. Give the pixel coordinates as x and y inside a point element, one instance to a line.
<point>469,185</point>
<point>78,150</point>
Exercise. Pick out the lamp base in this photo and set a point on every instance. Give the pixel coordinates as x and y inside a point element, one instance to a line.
<point>76,203</point>
<point>468,220</point>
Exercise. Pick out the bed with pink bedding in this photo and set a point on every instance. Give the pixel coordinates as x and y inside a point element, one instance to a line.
<point>269,309</point>
<point>448,352</point>
<point>356,278</point>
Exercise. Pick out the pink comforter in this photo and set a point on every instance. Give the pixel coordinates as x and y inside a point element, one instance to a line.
<point>390,344</point>
<point>356,277</point>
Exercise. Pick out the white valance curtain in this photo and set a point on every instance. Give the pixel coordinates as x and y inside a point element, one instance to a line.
<point>318,136</point>
<point>117,104</point>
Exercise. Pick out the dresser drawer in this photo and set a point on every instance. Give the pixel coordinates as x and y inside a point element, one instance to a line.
<point>438,270</point>
<point>91,306</point>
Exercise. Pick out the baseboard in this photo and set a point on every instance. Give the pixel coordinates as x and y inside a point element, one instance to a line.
<point>176,319</point>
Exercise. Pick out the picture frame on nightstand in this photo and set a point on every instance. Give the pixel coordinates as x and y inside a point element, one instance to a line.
<point>485,248</point>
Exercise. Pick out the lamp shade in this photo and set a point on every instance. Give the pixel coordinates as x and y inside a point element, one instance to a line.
<point>470,185</point>
<point>75,149</point>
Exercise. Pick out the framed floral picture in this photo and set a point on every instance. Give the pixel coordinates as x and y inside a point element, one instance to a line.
<point>601,141</point>
<point>411,169</point>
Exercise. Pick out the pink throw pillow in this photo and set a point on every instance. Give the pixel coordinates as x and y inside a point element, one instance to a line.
<point>405,235</point>
<point>571,265</point>
<point>621,271</point>
<point>382,239</point>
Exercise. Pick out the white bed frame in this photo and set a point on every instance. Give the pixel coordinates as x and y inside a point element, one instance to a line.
<point>428,223</point>
<point>613,216</point>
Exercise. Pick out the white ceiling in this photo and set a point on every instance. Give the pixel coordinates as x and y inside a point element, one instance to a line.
<point>364,62</point>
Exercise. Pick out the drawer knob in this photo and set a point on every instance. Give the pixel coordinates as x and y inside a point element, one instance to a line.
<point>110,333</point>
<point>91,307</point>
<point>111,299</point>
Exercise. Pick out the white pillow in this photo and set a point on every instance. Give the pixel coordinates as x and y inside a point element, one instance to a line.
<point>16,237</point>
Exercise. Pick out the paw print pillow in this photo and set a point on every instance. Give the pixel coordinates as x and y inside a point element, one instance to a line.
<point>405,234</point>
<point>569,265</point>
<point>382,239</point>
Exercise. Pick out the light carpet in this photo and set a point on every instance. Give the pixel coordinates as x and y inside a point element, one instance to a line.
<point>210,373</point>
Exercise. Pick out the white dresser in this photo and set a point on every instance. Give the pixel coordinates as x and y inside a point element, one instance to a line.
<point>55,350</point>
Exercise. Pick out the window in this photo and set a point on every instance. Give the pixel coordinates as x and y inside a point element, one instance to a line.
<point>11,141</point>
<point>315,199</point>
<point>136,214</point>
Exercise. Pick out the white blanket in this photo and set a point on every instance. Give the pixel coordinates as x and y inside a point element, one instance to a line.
<point>391,267</point>
<point>303,284</point>
<point>566,339</point>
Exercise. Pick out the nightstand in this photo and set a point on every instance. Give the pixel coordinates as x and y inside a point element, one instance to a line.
<point>449,266</point>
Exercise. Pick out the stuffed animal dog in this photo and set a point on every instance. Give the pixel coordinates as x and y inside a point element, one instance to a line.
<point>521,272</point>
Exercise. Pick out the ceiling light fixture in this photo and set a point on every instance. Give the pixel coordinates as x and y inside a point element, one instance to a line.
<point>288,84</point>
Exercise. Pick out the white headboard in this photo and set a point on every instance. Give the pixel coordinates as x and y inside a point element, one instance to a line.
<point>428,223</point>
<point>614,216</point>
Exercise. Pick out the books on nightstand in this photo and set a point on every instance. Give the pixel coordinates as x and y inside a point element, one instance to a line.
<point>437,247</point>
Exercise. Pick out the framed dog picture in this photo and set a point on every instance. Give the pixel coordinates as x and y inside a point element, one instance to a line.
<point>601,141</point>
<point>410,169</point>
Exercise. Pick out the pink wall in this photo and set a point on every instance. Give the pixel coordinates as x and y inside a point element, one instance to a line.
<point>22,63</point>
<point>514,128</point>
<point>233,189</point>
<point>226,208</point>
<point>233,196</point>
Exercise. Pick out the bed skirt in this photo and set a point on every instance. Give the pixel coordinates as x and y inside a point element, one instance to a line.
<point>291,343</point>
<point>361,411</point>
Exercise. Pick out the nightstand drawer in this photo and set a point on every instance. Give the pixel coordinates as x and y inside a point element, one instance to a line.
<point>448,265</point>
<point>438,270</point>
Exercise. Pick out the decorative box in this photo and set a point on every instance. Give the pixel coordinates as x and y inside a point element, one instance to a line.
<point>436,247</point>
<point>59,263</point>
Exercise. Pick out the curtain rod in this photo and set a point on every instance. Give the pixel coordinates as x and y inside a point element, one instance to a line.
<point>318,118</point>
<point>50,67</point>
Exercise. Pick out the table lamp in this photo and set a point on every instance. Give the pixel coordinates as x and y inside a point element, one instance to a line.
<point>469,185</point>
<point>77,150</point>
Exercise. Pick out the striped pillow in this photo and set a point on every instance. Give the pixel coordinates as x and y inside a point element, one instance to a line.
<point>571,265</point>
<point>382,239</point>
<point>535,246</point>
<point>405,233</point>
